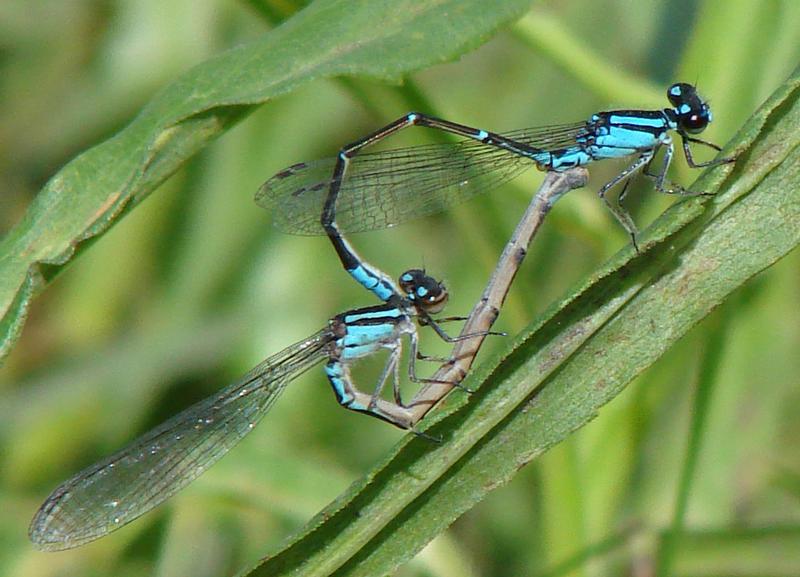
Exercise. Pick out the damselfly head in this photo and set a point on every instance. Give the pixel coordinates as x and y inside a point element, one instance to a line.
<point>425,291</point>
<point>692,112</point>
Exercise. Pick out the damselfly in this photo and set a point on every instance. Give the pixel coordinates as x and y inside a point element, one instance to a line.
<point>120,488</point>
<point>358,192</point>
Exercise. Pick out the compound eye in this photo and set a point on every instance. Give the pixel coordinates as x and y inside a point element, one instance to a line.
<point>675,94</point>
<point>434,300</point>
<point>412,280</point>
<point>694,123</point>
<point>681,93</point>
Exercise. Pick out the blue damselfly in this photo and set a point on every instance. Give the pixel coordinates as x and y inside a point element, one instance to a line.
<point>358,191</point>
<point>120,488</point>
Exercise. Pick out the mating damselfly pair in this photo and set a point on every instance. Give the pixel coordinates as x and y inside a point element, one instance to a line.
<point>355,192</point>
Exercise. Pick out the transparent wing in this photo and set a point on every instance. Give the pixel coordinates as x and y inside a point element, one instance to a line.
<point>120,488</point>
<point>385,188</point>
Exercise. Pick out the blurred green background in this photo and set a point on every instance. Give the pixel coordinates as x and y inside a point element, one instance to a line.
<point>694,470</point>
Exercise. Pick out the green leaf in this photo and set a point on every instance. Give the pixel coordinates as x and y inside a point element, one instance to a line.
<point>328,38</point>
<point>558,374</point>
<point>769,550</point>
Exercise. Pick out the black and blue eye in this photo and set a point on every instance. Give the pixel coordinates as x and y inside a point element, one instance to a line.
<point>695,121</point>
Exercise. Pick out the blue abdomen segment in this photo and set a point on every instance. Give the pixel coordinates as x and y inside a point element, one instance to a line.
<point>340,382</point>
<point>372,282</point>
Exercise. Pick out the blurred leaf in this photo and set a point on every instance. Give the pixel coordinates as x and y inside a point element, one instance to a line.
<point>558,374</point>
<point>770,550</point>
<point>383,39</point>
<point>709,377</point>
<point>548,36</point>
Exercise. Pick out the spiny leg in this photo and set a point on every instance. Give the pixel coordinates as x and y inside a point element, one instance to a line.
<point>433,358</point>
<point>622,215</point>
<point>662,175</point>
<point>660,178</point>
<point>441,320</point>
<point>434,324</point>
<point>412,369</point>
<point>450,339</point>
<point>687,151</point>
<point>391,367</point>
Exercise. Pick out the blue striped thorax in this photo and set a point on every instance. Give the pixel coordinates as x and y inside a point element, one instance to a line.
<point>363,331</point>
<point>621,133</point>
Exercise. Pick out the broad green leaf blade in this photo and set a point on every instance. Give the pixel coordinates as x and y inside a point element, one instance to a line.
<point>558,374</point>
<point>384,39</point>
